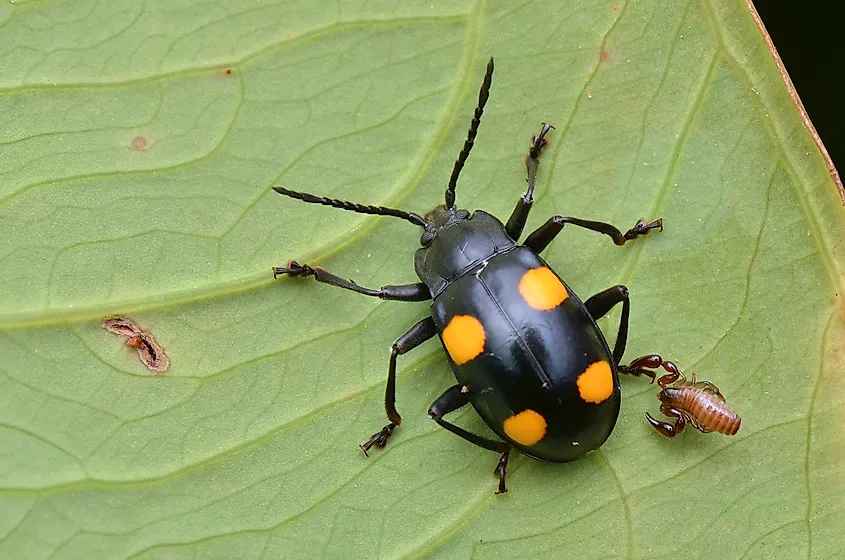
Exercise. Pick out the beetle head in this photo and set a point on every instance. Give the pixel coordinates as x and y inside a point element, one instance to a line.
<point>438,218</point>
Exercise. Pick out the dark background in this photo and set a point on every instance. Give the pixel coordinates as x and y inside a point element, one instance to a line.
<point>808,36</point>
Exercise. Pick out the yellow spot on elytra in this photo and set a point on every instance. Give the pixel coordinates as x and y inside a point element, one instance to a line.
<point>464,338</point>
<point>526,428</point>
<point>596,383</point>
<point>541,289</point>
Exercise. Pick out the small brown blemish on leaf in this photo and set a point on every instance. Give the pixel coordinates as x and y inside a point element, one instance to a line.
<point>228,71</point>
<point>288,35</point>
<point>140,143</point>
<point>608,55</point>
<point>149,351</point>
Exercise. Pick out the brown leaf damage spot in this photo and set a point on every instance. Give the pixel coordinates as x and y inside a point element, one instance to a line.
<point>121,326</point>
<point>140,143</point>
<point>149,351</point>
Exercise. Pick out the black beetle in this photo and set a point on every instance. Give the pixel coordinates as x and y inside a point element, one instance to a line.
<point>525,350</point>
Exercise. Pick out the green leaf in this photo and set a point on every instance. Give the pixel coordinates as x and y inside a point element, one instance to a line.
<point>138,145</point>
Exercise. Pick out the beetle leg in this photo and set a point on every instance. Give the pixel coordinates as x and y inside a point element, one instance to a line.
<point>601,303</point>
<point>669,430</point>
<point>454,398</point>
<point>415,336</point>
<point>501,471</point>
<point>544,235</point>
<point>402,292</point>
<point>516,222</point>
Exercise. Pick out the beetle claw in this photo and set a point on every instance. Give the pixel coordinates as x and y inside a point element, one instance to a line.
<point>293,269</point>
<point>378,439</point>
<point>642,228</point>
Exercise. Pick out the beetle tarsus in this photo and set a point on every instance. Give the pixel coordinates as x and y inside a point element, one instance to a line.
<point>642,228</point>
<point>293,269</point>
<point>379,439</point>
<point>501,471</point>
<point>516,222</point>
<point>539,141</point>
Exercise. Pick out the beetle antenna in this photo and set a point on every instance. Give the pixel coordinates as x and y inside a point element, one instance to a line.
<point>473,130</point>
<point>415,219</point>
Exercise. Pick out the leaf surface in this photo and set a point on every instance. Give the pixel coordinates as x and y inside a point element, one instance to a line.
<point>138,145</point>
